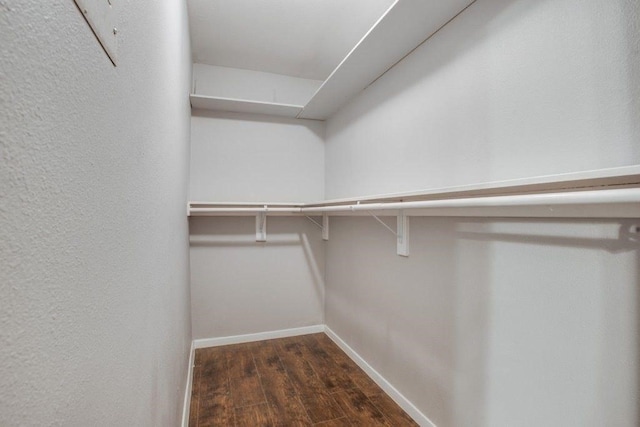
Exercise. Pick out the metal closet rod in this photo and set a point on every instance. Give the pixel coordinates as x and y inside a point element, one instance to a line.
<point>587,197</point>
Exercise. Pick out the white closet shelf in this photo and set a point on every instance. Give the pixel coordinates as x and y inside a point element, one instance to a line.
<point>603,193</point>
<point>403,27</point>
<point>244,106</point>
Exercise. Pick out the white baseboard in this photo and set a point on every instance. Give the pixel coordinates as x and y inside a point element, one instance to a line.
<point>402,401</point>
<point>385,385</point>
<point>189,386</point>
<point>238,339</point>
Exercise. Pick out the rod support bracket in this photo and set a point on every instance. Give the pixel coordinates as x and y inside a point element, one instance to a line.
<point>325,226</point>
<point>261,225</point>
<point>403,234</point>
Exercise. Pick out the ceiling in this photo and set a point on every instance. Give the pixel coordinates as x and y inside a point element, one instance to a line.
<point>299,38</point>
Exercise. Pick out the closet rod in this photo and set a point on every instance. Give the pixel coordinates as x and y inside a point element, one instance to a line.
<point>235,210</point>
<point>587,197</point>
<point>594,197</point>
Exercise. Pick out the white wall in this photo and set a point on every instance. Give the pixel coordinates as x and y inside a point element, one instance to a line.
<point>94,313</point>
<point>494,322</point>
<point>241,157</point>
<point>497,322</point>
<point>240,287</point>
<point>251,85</point>
<point>509,89</point>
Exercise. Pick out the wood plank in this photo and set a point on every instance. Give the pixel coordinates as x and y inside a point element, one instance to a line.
<point>206,354</point>
<point>214,374</point>
<point>357,375</point>
<point>265,352</point>
<point>214,401</point>
<point>216,408</point>
<point>246,391</point>
<point>286,406</point>
<point>329,372</point>
<point>318,402</point>
<point>359,409</point>
<point>254,416</point>
<point>195,396</point>
<point>392,411</point>
<point>338,422</point>
<point>240,361</point>
<point>297,381</point>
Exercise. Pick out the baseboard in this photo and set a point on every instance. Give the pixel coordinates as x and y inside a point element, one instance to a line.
<point>187,392</point>
<point>238,339</point>
<point>385,385</point>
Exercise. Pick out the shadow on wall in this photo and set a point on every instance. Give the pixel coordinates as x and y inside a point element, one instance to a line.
<point>240,286</point>
<point>631,16</point>
<point>426,61</point>
<point>465,34</point>
<point>492,96</point>
<point>421,321</point>
<point>240,232</point>
<point>412,114</point>
<point>627,238</point>
<point>313,126</point>
<point>584,276</point>
<point>204,232</point>
<point>494,322</point>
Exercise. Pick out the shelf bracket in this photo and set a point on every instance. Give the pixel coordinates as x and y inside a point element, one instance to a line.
<point>403,234</point>
<point>324,226</point>
<point>261,226</point>
<point>314,221</point>
<point>383,223</point>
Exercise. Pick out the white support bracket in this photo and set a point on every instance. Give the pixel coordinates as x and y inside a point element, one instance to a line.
<point>382,223</point>
<point>261,226</point>
<point>403,234</point>
<point>325,226</point>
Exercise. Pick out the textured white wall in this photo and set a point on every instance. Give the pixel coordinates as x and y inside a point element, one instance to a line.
<point>509,89</point>
<point>241,157</point>
<point>240,287</point>
<point>495,323</point>
<point>94,313</point>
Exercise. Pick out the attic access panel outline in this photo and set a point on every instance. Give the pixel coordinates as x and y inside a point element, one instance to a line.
<point>101,17</point>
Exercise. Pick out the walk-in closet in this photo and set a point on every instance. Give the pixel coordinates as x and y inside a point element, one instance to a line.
<point>320,213</point>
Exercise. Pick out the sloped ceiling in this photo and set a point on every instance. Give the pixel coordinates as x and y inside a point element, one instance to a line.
<point>299,38</point>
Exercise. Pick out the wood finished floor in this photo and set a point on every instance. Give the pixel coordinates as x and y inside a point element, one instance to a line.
<point>298,381</point>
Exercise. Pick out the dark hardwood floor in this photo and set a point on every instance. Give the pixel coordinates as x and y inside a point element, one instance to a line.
<point>298,381</point>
